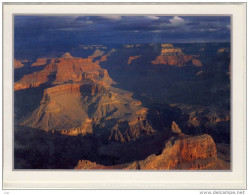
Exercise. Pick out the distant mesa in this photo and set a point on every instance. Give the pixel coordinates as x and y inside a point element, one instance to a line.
<point>167,45</point>
<point>174,57</point>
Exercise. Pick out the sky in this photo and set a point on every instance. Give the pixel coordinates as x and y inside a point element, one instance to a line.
<point>61,31</point>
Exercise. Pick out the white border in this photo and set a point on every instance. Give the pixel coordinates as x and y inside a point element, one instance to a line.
<point>236,179</point>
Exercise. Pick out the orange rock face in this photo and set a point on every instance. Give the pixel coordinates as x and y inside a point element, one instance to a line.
<point>183,152</point>
<point>60,70</point>
<point>131,58</point>
<point>18,64</point>
<point>67,88</point>
<point>32,80</point>
<point>170,60</point>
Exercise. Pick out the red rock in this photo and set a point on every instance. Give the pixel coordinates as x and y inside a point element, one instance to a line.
<point>32,80</point>
<point>64,69</point>
<point>184,152</point>
<point>174,57</point>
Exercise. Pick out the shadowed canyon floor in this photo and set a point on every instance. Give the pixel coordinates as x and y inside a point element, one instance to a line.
<point>142,106</point>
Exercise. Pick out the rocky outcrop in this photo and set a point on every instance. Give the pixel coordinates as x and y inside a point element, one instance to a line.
<point>97,53</point>
<point>180,152</point>
<point>67,55</point>
<point>183,152</point>
<point>18,64</point>
<point>64,69</point>
<point>124,131</point>
<point>175,128</point>
<point>174,57</point>
<point>32,80</point>
<point>73,109</point>
<point>131,58</point>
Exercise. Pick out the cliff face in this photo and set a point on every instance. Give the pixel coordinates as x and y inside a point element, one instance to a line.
<point>32,80</point>
<point>64,69</point>
<point>180,152</point>
<point>183,152</point>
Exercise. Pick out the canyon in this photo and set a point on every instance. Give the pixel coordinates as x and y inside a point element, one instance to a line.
<point>136,106</point>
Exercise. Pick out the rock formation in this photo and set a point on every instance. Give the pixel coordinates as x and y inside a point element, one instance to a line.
<point>40,62</point>
<point>97,53</point>
<point>183,152</point>
<point>64,69</point>
<point>174,57</point>
<point>18,64</point>
<point>175,128</point>
<point>87,101</point>
<point>131,58</point>
<point>78,103</point>
<point>180,152</point>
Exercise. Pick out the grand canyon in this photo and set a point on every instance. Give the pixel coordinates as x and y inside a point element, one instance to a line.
<point>136,106</point>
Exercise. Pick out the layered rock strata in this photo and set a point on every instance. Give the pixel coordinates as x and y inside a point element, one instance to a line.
<point>175,57</point>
